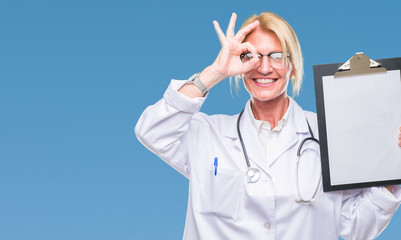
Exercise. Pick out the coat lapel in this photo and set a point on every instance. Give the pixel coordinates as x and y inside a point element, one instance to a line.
<point>296,124</point>
<point>249,135</point>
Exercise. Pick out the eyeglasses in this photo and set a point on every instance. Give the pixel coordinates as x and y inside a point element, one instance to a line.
<point>276,59</point>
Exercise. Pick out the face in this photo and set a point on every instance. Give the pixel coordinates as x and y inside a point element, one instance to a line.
<point>266,83</point>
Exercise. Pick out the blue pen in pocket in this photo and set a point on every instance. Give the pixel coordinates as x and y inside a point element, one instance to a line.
<point>216,163</point>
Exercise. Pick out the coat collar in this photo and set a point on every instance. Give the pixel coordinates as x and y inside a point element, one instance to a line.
<point>296,124</point>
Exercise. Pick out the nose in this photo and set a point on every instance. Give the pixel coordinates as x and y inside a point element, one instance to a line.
<point>265,66</point>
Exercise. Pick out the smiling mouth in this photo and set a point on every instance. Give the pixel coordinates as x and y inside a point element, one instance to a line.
<point>264,80</point>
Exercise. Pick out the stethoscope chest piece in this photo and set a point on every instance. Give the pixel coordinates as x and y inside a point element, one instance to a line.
<point>253,175</point>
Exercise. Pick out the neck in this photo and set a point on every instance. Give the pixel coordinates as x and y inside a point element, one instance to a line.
<point>271,111</point>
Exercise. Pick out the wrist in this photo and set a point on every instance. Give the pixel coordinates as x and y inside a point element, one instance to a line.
<point>210,77</point>
<point>195,80</point>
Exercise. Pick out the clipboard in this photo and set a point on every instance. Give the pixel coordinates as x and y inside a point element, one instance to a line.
<point>358,145</point>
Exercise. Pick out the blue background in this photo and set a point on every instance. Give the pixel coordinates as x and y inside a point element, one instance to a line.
<point>76,75</point>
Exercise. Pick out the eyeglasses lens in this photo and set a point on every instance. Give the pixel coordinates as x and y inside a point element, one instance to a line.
<point>275,59</point>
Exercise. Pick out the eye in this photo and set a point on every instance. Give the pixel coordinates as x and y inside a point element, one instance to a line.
<point>246,56</point>
<point>277,56</point>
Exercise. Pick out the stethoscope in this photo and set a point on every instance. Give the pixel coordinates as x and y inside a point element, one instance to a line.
<point>253,174</point>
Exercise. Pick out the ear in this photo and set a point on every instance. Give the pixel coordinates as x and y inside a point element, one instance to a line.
<point>293,74</point>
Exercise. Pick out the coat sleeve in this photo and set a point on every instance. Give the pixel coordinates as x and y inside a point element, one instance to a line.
<point>366,213</point>
<point>163,127</point>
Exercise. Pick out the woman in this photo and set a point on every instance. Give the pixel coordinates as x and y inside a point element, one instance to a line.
<point>226,200</point>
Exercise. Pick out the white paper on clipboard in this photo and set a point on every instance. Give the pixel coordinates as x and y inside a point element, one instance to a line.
<point>363,116</point>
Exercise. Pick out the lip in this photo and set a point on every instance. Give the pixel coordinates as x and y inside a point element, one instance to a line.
<point>264,84</point>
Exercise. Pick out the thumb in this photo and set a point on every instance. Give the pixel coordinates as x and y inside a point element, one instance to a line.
<point>250,65</point>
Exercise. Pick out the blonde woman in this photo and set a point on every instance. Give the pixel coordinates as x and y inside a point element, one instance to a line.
<point>242,169</point>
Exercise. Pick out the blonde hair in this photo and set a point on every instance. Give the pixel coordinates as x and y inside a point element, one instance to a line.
<point>270,22</point>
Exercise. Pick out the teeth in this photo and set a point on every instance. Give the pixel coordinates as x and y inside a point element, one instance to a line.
<point>264,81</point>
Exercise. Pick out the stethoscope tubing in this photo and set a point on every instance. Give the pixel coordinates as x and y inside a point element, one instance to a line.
<point>255,179</point>
<point>242,141</point>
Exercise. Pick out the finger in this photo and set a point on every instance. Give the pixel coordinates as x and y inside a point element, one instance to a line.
<point>255,58</point>
<point>220,33</point>
<point>248,47</point>
<point>231,25</point>
<point>241,34</point>
<point>254,62</point>
<point>399,138</point>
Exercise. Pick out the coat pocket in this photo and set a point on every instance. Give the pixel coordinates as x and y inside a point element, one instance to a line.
<point>221,194</point>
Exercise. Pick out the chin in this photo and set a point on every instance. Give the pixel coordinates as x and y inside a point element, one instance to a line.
<point>268,97</point>
<point>268,92</point>
<point>264,95</point>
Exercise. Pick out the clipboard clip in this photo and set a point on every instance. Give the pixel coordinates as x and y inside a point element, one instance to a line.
<point>359,64</point>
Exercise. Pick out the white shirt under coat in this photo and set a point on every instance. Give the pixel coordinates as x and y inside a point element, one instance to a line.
<point>226,206</point>
<point>265,134</point>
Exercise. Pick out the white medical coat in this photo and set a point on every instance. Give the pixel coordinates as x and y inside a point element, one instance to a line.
<point>226,206</point>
